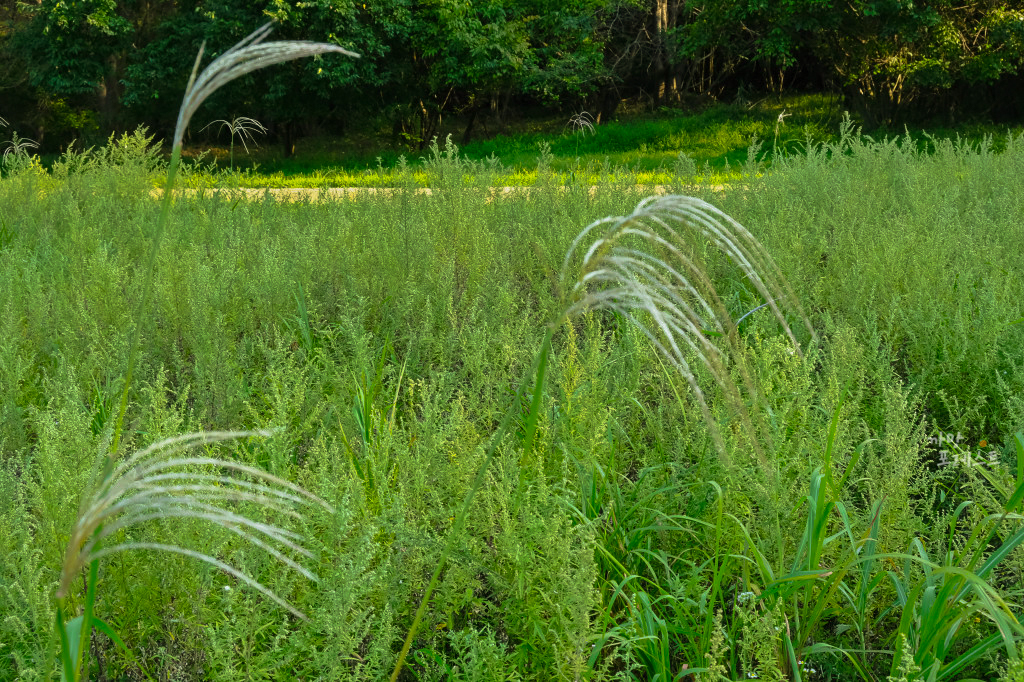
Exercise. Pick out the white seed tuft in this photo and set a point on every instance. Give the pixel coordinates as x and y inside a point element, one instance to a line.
<point>156,483</point>
<point>644,267</point>
<point>247,56</point>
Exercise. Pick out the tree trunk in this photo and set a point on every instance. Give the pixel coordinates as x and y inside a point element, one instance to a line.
<point>659,63</point>
<point>666,70</point>
<point>469,125</point>
<point>608,104</point>
<point>109,94</point>
<point>288,139</point>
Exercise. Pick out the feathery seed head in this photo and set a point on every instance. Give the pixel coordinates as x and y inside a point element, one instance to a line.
<point>582,123</point>
<point>643,267</point>
<point>18,147</point>
<point>159,483</point>
<point>247,56</point>
<point>243,126</point>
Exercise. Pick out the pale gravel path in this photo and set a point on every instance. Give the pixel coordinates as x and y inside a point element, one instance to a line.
<point>293,194</point>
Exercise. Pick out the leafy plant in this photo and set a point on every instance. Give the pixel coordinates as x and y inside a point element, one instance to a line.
<point>301,323</point>
<point>938,606</point>
<point>641,583</point>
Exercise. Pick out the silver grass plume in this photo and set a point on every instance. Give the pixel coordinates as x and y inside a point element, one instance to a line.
<point>249,55</point>
<point>160,482</point>
<point>243,127</point>
<point>643,266</point>
<point>18,147</point>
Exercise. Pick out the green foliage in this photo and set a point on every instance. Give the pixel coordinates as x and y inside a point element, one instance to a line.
<point>716,138</point>
<point>90,67</point>
<point>881,54</point>
<point>387,335</point>
<point>69,44</point>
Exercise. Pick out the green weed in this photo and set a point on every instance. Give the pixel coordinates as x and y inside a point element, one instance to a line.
<point>391,338</point>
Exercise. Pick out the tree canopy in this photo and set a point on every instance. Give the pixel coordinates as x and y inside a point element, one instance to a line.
<point>111,64</point>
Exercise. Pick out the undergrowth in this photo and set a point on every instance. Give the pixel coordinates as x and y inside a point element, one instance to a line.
<point>381,339</point>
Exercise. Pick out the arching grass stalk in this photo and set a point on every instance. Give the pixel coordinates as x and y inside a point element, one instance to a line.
<point>16,153</point>
<point>247,56</point>
<point>18,146</point>
<point>644,267</point>
<point>131,494</point>
<point>161,482</point>
<point>581,124</point>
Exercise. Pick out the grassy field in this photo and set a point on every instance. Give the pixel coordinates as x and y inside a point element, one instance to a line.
<point>866,527</point>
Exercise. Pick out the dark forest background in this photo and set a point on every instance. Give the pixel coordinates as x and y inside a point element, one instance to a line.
<point>81,69</point>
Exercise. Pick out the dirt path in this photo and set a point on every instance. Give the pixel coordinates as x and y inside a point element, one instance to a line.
<point>299,194</point>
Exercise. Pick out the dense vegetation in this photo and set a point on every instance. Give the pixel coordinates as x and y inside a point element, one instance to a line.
<point>384,337</point>
<point>79,70</point>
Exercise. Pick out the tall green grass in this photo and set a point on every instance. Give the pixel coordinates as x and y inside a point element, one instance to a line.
<point>384,337</point>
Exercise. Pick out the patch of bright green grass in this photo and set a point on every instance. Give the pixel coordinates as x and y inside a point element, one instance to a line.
<point>716,140</point>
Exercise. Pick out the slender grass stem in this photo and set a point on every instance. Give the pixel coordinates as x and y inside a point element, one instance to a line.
<point>82,659</point>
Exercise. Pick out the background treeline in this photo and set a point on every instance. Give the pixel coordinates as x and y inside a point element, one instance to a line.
<point>81,69</point>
